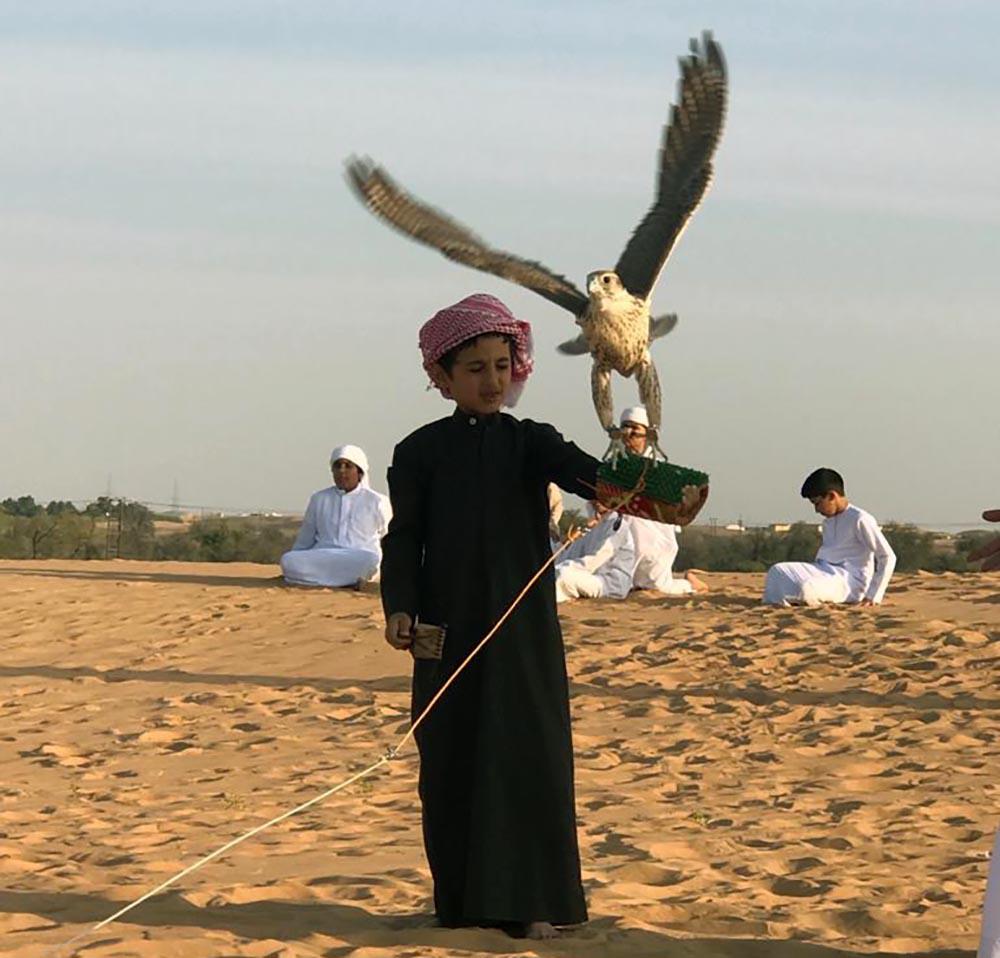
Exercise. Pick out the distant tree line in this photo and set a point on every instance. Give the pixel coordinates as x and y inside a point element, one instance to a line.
<point>250,539</point>
<point>756,549</point>
<point>29,530</point>
<point>118,527</point>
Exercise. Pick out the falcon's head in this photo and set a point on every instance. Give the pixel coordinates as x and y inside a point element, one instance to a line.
<point>604,285</point>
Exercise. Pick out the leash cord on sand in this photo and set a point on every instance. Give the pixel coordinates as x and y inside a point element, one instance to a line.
<point>390,754</point>
<point>220,851</point>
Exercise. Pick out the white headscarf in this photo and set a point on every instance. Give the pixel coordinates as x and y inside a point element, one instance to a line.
<point>636,414</point>
<point>353,454</point>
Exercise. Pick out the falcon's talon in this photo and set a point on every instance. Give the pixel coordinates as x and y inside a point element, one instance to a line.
<point>616,450</point>
<point>653,444</point>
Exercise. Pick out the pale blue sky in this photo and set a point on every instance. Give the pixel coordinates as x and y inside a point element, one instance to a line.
<point>188,290</point>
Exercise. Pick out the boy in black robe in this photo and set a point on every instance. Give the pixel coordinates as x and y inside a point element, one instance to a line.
<point>469,530</point>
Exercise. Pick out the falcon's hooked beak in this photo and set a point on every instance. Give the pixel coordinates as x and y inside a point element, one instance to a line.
<point>603,283</point>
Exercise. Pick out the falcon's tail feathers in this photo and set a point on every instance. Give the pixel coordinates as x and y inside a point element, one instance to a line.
<point>661,325</point>
<point>574,347</point>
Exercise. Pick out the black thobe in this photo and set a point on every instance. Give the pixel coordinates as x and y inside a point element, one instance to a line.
<point>469,529</point>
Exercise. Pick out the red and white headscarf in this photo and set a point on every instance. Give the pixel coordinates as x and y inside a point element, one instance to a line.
<point>478,315</point>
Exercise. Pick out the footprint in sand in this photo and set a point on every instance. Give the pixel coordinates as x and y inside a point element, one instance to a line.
<point>614,845</point>
<point>200,698</point>
<point>19,921</point>
<point>799,865</point>
<point>839,809</point>
<point>649,873</point>
<point>51,754</point>
<point>799,887</point>
<point>835,843</point>
<point>169,740</point>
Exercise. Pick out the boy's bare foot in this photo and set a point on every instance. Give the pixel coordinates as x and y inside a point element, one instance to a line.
<point>697,584</point>
<point>539,930</point>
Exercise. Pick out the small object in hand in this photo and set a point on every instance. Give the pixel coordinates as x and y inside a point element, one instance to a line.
<point>638,486</point>
<point>428,641</point>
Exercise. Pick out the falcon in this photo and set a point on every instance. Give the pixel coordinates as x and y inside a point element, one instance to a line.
<point>614,312</point>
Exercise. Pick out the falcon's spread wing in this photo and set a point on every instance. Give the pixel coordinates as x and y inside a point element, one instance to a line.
<point>427,225</point>
<point>689,140</point>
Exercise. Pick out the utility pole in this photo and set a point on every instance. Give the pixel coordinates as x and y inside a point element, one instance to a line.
<point>107,535</point>
<point>121,521</point>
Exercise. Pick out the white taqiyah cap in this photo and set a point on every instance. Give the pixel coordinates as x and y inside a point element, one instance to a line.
<point>635,414</point>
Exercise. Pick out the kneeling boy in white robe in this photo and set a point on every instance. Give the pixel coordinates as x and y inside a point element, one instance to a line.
<point>555,514</point>
<point>655,542</point>
<point>599,565</point>
<point>656,549</point>
<point>339,543</point>
<point>854,563</point>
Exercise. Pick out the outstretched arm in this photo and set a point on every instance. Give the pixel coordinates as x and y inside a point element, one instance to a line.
<point>557,460</point>
<point>885,561</point>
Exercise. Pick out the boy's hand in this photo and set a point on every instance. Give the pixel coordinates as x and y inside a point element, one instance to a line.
<point>573,533</point>
<point>398,628</point>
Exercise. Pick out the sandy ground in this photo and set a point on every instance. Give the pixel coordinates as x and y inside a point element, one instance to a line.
<point>751,782</point>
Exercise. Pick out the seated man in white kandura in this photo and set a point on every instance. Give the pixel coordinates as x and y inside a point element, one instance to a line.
<point>340,540</point>
<point>599,564</point>
<point>854,563</point>
<point>655,542</point>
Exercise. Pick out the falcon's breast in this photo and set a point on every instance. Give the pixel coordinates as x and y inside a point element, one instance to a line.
<point>617,333</point>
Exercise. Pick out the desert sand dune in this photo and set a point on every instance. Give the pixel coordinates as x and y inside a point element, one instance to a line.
<point>751,782</point>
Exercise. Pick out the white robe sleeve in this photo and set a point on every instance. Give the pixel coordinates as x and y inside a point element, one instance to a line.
<point>610,559</point>
<point>555,510</point>
<point>385,515</point>
<point>885,558</point>
<point>592,561</point>
<point>619,572</point>
<point>306,538</point>
<point>655,551</point>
